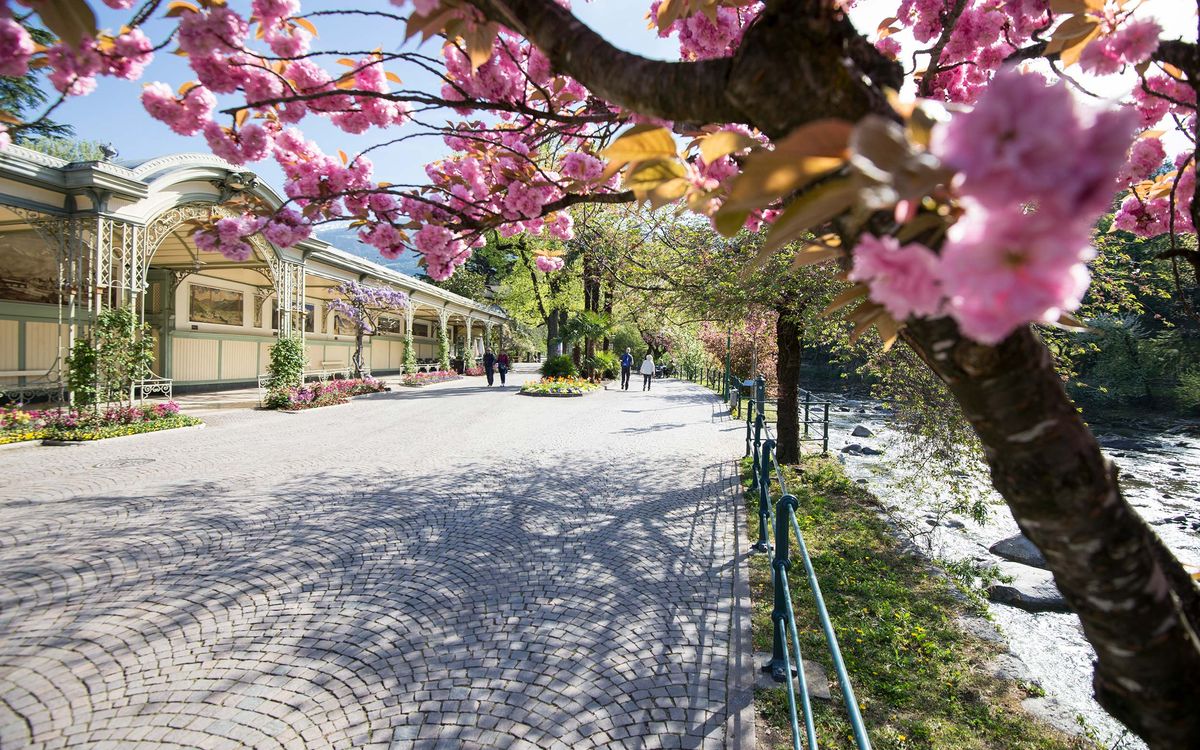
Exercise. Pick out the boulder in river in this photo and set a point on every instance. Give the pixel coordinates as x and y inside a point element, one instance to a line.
<point>1031,591</point>
<point>853,449</point>
<point>1019,549</point>
<point>1113,442</point>
<point>869,451</point>
<point>861,431</point>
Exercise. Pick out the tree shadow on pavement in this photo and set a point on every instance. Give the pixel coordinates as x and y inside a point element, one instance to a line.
<point>578,605</point>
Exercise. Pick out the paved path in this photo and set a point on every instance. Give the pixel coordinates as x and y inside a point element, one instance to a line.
<point>446,567</point>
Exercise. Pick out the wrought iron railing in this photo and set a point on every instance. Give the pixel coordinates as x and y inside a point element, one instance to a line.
<point>779,515</point>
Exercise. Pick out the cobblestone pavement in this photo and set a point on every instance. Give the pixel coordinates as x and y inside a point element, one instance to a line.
<point>453,567</point>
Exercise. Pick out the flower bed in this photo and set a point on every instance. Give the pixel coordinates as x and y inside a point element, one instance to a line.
<point>418,379</point>
<point>20,425</point>
<point>559,387</point>
<point>328,393</point>
<point>474,371</point>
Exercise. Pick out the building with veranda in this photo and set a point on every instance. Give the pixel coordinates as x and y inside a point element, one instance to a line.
<point>79,237</point>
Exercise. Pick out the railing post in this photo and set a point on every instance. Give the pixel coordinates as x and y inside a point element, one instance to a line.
<point>825,427</point>
<point>749,420</point>
<point>807,403</point>
<point>764,496</point>
<point>780,669</point>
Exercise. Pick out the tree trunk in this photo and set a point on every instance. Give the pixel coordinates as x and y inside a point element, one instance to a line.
<point>609,288</point>
<point>787,367</point>
<point>551,332</point>
<point>357,359</point>
<point>1139,608</point>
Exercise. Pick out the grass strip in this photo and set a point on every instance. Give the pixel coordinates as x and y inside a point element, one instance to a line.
<point>921,680</point>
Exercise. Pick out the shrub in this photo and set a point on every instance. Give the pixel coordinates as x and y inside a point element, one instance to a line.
<point>103,366</point>
<point>603,364</point>
<point>1187,392</point>
<point>559,367</point>
<point>81,372</point>
<point>286,368</point>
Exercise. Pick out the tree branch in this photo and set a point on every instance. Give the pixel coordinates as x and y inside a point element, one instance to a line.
<point>791,68</point>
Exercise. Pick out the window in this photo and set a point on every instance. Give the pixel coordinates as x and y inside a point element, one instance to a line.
<point>212,305</point>
<point>421,329</point>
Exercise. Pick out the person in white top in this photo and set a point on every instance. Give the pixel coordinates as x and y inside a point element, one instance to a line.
<point>647,371</point>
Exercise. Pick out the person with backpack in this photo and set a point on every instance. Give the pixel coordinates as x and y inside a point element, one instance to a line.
<point>626,367</point>
<point>502,365</point>
<point>647,371</point>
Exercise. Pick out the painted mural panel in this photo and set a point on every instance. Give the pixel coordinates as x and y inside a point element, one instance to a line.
<point>28,270</point>
<point>211,305</point>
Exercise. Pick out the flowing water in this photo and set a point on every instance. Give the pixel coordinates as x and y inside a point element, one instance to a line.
<point>1160,466</point>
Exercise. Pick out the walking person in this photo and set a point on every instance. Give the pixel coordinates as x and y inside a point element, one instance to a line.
<point>626,367</point>
<point>502,365</point>
<point>489,365</point>
<point>647,371</point>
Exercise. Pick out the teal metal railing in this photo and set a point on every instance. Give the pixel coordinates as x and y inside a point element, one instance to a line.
<point>779,515</point>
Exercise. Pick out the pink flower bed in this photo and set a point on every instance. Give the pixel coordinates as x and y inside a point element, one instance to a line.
<point>418,379</point>
<point>328,393</point>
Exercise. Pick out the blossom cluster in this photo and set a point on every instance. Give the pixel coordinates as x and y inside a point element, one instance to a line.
<point>1034,171</point>
<point>230,236</point>
<point>359,303</point>
<point>702,37</point>
<point>548,263</point>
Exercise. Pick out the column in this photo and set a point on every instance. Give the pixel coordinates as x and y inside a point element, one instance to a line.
<point>410,356</point>
<point>443,339</point>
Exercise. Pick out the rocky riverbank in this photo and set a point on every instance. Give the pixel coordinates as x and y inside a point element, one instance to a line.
<point>1159,463</point>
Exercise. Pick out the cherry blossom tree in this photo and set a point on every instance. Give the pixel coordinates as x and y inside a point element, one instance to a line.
<point>361,305</point>
<point>964,216</point>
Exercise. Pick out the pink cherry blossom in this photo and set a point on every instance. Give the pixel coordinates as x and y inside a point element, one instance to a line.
<point>1145,156</point>
<point>73,71</point>
<point>16,47</point>
<point>286,228</point>
<point>548,264</point>
<point>186,116</point>
<point>904,279</point>
<point>132,52</point>
<point>581,166</point>
<point>216,29</point>
<point>1131,45</point>
<point>1026,141</point>
<point>1001,269</point>
<point>249,143</point>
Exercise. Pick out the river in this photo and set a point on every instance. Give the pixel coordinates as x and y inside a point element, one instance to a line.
<point>1160,466</point>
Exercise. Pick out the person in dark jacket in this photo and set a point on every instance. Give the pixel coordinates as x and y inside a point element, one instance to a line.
<point>502,364</point>
<point>489,365</point>
<point>626,368</point>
